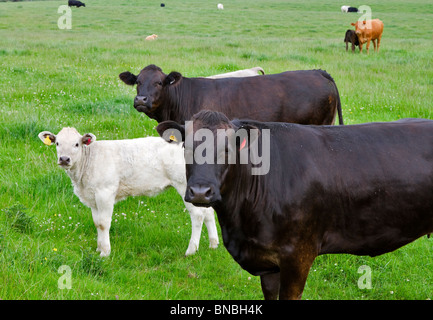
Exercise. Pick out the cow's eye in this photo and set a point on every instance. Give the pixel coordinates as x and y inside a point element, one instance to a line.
<point>57,143</point>
<point>76,145</point>
<point>159,83</point>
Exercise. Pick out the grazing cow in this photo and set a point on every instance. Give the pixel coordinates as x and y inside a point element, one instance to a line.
<point>252,72</point>
<point>220,6</point>
<point>307,97</point>
<point>76,3</point>
<point>352,38</point>
<point>364,189</point>
<point>348,9</point>
<point>368,30</point>
<point>152,37</point>
<point>105,172</point>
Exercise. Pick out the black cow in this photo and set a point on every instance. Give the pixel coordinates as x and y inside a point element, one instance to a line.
<point>362,189</point>
<point>352,9</point>
<point>351,37</point>
<point>307,97</point>
<point>76,3</point>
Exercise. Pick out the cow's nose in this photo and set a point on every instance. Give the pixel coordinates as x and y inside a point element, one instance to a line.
<point>64,160</point>
<point>140,100</point>
<point>200,195</point>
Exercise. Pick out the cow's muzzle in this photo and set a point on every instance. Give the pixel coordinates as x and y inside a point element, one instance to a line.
<point>142,103</point>
<point>64,162</point>
<point>202,195</point>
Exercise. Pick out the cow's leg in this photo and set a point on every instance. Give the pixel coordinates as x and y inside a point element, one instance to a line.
<point>102,220</point>
<point>294,271</point>
<point>353,48</point>
<point>374,44</point>
<point>270,285</point>
<point>368,46</point>
<point>347,46</point>
<point>378,42</point>
<point>197,218</point>
<point>360,47</point>
<point>209,220</point>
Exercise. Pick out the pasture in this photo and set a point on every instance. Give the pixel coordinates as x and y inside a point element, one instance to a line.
<point>52,78</point>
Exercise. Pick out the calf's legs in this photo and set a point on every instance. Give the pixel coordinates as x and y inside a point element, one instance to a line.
<point>198,215</point>
<point>102,219</point>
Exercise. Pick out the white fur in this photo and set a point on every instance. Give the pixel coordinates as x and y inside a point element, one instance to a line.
<point>220,6</point>
<point>240,73</point>
<point>344,8</point>
<point>108,171</point>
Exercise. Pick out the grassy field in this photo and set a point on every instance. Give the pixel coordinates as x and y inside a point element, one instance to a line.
<point>51,78</point>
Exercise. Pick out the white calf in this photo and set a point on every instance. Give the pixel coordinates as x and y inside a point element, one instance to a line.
<point>107,171</point>
<point>240,73</point>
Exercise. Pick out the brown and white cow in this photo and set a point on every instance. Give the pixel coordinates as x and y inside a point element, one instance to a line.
<point>363,189</point>
<point>369,30</point>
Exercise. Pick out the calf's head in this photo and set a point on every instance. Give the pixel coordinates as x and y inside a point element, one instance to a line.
<point>213,145</point>
<point>69,144</point>
<point>151,83</point>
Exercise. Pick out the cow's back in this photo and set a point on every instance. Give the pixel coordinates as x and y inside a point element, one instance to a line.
<point>306,97</point>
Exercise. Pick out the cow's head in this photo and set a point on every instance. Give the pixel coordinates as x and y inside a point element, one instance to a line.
<point>213,144</point>
<point>361,29</point>
<point>69,144</point>
<point>150,85</point>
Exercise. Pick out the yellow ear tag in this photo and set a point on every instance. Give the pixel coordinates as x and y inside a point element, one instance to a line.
<point>173,138</point>
<point>47,141</point>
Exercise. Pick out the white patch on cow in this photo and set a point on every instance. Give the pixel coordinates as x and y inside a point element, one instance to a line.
<point>252,72</point>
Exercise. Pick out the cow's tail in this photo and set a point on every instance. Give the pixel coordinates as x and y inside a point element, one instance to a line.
<point>338,102</point>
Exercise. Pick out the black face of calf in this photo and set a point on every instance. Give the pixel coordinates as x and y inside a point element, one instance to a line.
<point>151,83</point>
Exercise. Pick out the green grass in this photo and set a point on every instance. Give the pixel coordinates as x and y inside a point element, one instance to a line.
<point>52,78</point>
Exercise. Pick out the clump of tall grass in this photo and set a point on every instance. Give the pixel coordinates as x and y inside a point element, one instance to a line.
<point>18,218</point>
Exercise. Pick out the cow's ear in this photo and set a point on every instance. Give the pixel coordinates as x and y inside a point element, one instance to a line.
<point>129,78</point>
<point>171,131</point>
<point>88,138</point>
<point>47,137</point>
<point>172,78</point>
<point>248,134</point>
<point>353,24</point>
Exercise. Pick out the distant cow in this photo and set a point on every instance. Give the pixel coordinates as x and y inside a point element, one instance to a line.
<point>352,38</point>
<point>220,6</point>
<point>369,30</point>
<point>307,96</point>
<point>76,3</point>
<point>252,72</point>
<point>363,189</point>
<point>105,172</point>
<point>152,37</point>
<point>348,9</point>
